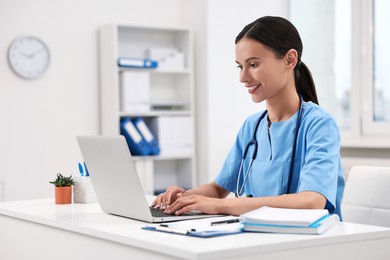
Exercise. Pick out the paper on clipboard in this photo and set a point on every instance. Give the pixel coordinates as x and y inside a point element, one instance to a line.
<point>200,227</point>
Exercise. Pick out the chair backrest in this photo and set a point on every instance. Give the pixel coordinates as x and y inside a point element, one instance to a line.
<point>367,196</point>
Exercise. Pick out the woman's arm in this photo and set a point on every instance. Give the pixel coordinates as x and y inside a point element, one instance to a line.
<point>211,189</point>
<point>301,200</point>
<point>238,206</point>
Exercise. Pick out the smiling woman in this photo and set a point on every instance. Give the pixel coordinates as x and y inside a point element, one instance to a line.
<point>294,144</point>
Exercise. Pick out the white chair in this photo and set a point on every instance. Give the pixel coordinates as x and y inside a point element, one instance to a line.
<point>367,196</point>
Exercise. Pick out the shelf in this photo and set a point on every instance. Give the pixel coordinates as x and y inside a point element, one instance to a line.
<point>163,96</point>
<point>162,157</point>
<point>156,113</point>
<point>156,71</point>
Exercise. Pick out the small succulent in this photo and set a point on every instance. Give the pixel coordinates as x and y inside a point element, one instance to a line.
<point>62,181</point>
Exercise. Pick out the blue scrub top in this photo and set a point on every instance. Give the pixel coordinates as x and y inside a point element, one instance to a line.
<point>317,165</point>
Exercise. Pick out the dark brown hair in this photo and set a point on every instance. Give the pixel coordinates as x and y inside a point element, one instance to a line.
<point>280,35</point>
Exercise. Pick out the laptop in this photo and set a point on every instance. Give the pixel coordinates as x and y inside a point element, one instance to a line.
<point>116,182</point>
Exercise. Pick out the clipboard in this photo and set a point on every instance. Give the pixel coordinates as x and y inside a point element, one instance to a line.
<point>234,229</point>
<point>204,228</point>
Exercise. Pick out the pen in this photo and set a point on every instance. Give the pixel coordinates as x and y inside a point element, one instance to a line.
<point>86,170</point>
<point>172,230</point>
<point>229,221</point>
<point>81,169</point>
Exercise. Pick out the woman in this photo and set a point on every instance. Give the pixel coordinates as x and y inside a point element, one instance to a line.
<point>297,160</point>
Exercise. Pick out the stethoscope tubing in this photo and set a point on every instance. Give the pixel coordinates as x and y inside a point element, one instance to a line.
<point>254,142</point>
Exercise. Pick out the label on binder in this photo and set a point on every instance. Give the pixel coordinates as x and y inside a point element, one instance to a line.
<point>145,131</point>
<point>133,132</point>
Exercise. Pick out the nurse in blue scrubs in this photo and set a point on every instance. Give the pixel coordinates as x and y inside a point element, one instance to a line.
<point>287,156</point>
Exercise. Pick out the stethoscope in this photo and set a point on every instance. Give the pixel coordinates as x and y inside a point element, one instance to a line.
<point>254,142</point>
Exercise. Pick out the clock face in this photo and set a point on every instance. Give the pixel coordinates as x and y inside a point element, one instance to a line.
<point>28,57</point>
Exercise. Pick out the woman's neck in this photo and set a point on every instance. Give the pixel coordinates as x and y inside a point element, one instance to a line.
<point>282,106</point>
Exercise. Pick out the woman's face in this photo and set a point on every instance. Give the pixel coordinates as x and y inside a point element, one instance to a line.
<point>263,74</point>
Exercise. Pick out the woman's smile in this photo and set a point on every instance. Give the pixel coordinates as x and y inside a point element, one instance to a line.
<point>252,89</point>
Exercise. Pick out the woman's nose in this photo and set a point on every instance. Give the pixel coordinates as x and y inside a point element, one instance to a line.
<point>243,76</point>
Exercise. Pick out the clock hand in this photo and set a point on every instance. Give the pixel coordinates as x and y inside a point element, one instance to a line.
<point>35,53</point>
<point>25,54</point>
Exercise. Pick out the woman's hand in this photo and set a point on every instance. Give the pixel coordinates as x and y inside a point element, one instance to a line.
<point>187,202</point>
<point>165,199</point>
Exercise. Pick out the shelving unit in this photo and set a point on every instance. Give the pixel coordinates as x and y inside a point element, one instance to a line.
<point>171,96</point>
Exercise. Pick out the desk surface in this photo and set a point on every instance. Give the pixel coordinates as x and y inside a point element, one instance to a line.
<point>88,219</point>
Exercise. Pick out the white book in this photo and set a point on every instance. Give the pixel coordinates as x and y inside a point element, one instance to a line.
<point>145,174</point>
<point>174,134</point>
<point>135,91</point>
<point>284,216</point>
<point>316,228</point>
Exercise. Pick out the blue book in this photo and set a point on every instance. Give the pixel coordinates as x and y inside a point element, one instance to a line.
<point>137,63</point>
<point>135,141</point>
<point>147,135</point>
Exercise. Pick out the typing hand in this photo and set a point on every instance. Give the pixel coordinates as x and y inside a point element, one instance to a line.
<point>165,199</point>
<point>186,202</point>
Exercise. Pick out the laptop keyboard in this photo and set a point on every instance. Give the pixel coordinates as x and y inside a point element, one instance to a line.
<point>160,213</point>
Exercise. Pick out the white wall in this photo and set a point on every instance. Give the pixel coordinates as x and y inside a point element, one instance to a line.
<point>228,102</point>
<point>222,104</point>
<point>40,118</point>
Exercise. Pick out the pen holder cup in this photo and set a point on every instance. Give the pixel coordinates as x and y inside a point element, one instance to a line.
<point>83,191</point>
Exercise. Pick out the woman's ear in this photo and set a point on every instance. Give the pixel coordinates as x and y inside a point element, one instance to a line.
<point>291,58</point>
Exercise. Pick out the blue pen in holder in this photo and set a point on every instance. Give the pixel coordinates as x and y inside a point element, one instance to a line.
<point>83,191</point>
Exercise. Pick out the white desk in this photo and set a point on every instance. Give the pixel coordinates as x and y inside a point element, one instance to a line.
<point>39,229</point>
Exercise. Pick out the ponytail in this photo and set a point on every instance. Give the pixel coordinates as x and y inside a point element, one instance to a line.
<point>280,35</point>
<point>304,83</point>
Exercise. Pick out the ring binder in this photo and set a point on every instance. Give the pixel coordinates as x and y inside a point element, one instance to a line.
<point>137,63</point>
<point>135,141</point>
<point>147,135</point>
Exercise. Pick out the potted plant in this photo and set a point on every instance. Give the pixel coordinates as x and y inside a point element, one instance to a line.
<point>63,189</point>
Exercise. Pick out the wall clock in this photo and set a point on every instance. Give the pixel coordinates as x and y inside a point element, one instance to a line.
<point>28,57</point>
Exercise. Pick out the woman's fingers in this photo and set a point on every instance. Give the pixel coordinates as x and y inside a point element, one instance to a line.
<point>164,200</point>
<point>182,205</point>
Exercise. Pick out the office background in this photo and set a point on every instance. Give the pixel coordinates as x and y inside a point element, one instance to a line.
<point>40,118</point>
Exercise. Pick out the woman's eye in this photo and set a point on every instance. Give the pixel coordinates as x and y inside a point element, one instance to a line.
<point>253,65</point>
<point>239,67</point>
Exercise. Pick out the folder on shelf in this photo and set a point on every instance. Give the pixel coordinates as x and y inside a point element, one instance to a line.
<point>135,91</point>
<point>167,58</point>
<point>174,134</point>
<point>137,63</point>
<point>135,141</point>
<point>147,135</point>
<point>145,171</point>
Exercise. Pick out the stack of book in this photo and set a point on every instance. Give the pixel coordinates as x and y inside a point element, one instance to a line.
<point>282,220</point>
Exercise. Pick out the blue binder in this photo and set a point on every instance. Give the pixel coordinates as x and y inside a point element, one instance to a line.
<point>135,141</point>
<point>137,63</point>
<point>147,135</point>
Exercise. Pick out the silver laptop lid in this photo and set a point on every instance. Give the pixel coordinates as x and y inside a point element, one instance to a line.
<point>114,176</point>
<point>115,179</point>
